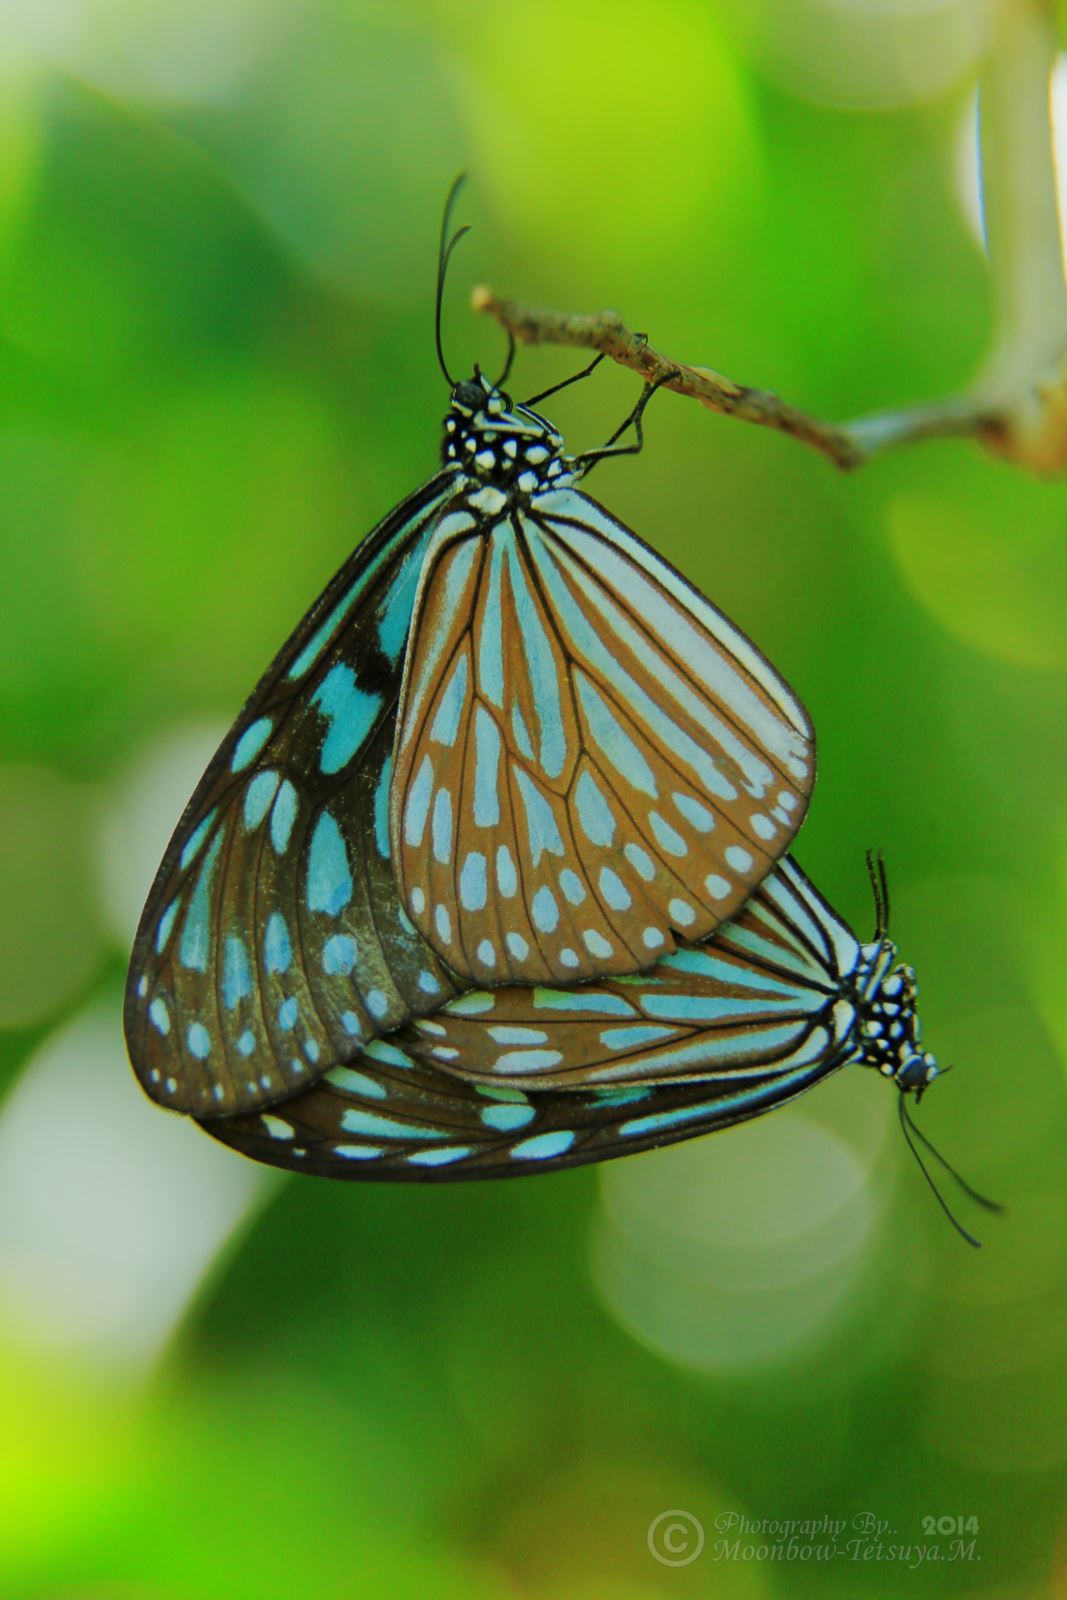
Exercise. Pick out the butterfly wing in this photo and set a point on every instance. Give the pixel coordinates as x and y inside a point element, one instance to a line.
<point>770,990</point>
<point>590,759</point>
<point>394,1114</point>
<point>272,939</point>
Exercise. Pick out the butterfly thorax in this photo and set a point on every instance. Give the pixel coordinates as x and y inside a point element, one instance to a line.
<point>507,452</point>
<point>889,1028</point>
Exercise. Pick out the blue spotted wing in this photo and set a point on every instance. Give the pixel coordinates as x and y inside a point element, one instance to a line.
<point>591,761</point>
<point>272,938</point>
<point>439,1099</point>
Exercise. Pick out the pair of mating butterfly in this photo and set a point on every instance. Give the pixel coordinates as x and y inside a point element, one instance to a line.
<point>489,876</point>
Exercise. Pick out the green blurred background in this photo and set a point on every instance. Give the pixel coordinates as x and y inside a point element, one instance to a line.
<point>217,235</point>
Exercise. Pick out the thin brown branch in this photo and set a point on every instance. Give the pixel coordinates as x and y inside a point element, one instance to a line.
<point>1018,405</point>
<point>847,444</point>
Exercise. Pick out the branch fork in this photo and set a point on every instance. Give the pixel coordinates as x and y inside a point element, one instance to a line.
<point>1018,406</point>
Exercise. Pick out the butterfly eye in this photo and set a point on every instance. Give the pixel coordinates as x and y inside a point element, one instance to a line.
<point>915,1075</point>
<point>468,396</point>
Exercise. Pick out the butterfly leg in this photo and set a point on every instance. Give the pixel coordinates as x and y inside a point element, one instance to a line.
<point>576,377</point>
<point>508,359</point>
<point>588,460</point>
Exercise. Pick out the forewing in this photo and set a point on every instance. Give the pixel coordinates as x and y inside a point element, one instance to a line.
<point>272,940</point>
<point>590,759</point>
<point>769,991</point>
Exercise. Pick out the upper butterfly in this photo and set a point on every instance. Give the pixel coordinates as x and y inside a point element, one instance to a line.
<point>590,759</point>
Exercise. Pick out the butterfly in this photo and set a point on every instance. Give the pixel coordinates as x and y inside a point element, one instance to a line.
<point>506,1081</point>
<point>518,1080</point>
<point>274,941</point>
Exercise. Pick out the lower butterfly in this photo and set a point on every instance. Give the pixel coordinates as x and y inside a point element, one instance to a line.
<point>518,1080</point>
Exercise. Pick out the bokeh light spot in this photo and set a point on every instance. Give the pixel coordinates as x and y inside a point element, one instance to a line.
<point>863,54</point>
<point>676,105</point>
<point>731,1252</point>
<point>993,578</point>
<point>110,1212</point>
<point>196,51</point>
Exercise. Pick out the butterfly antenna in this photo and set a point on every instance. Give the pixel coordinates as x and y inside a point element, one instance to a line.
<point>444,255</point>
<point>503,378</point>
<point>979,1199</point>
<point>908,1128</point>
<point>880,890</point>
<point>906,1124</point>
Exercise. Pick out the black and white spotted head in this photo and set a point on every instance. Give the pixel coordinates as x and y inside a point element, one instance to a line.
<point>502,445</point>
<point>889,1038</point>
<point>890,1034</point>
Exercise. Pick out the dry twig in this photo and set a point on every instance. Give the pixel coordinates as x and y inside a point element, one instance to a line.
<point>847,444</point>
<point>1018,405</point>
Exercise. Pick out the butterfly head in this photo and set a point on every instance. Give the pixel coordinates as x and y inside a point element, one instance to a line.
<point>889,1028</point>
<point>887,1002</point>
<point>496,442</point>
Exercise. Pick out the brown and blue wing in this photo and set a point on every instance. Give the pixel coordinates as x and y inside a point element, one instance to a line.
<point>771,988</point>
<point>272,940</point>
<point>591,761</point>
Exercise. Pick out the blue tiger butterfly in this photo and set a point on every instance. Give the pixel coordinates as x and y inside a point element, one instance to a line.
<point>589,760</point>
<point>508,748</point>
